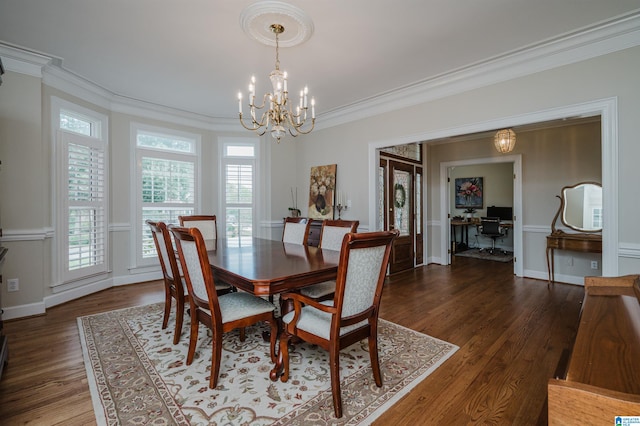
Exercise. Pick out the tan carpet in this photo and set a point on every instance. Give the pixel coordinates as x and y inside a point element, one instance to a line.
<point>497,256</point>
<point>137,376</point>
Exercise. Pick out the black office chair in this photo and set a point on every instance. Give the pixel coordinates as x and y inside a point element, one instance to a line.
<point>490,227</point>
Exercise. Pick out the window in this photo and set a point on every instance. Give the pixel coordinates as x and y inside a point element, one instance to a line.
<point>596,217</point>
<point>239,193</point>
<point>82,191</point>
<point>166,183</point>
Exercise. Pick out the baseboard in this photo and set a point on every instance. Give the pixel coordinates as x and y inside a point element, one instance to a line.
<point>21,311</point>
<point>40,308</point>
<point>560,278</point>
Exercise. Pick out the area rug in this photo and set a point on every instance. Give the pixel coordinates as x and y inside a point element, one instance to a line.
<point>137,376</point>
<point>497,256</point>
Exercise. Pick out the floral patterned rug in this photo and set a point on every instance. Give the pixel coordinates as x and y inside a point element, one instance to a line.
<point>137,376</point>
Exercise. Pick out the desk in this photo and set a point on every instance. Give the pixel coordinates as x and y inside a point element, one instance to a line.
<point>464,234</point>
<point>559,240</point>
<point>267,267</point>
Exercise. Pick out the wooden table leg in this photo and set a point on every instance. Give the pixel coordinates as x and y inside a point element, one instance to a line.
<point>550,266</point>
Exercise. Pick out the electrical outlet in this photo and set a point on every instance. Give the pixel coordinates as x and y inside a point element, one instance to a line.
<point>594,264</point>
<point>13,284</point>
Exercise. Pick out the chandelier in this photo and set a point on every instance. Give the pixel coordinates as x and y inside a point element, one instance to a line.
<point>505,140</point>
<point>279,117</point>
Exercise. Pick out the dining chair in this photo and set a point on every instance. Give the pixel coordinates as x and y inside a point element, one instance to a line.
<point>207,224</point>
<point>219,313</point>
<point>174,285</point>
<point>296,230</point>
<point>350,317</point>
<point>331,235</point>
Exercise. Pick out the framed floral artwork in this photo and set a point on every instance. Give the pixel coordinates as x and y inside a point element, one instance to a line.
<point>469,193</point>
<point>322,190</point>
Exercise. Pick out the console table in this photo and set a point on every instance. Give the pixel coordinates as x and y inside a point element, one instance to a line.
<point>559,240</point>
<point>577,202</point>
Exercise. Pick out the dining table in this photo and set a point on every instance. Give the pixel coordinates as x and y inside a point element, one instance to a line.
<point>266,267</point>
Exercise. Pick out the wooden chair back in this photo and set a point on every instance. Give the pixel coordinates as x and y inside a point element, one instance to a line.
<point>192,252</point>
<point>353,316</point>
<point>296,230</point>
<point>333,232</point>
<point>171,273</point>
<point>361,273</point>
<point>207,224</point>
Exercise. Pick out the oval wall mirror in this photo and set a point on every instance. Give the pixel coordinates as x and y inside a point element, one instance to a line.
<point>582,207</point>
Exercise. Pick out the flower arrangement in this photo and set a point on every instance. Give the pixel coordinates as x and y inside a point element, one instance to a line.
<point>323,183</point>
<point>470,189</point>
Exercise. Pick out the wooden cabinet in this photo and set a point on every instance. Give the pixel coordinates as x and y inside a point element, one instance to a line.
<point>314,232</point>
<point>601,379</point>
<point>4,350</point>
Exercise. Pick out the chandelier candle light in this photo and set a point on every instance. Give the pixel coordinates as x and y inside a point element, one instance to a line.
<point>279,118</point>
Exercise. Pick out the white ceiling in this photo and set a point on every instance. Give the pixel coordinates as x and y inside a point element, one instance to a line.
<point>193,55</point>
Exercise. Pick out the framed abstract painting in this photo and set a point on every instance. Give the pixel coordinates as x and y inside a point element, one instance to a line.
<point>469,193</point>
<point>322,190</point>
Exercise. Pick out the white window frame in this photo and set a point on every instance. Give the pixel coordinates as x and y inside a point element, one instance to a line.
<point>138,262</point>
<point>97,140</point>
<point>224,160</point>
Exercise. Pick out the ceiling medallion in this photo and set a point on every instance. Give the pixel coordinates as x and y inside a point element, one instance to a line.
<point>256,21</point>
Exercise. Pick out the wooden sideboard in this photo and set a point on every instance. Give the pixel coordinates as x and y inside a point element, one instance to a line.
<point>559,240</point>
<point>601,379</point>
<point>314,232</point>
<point>4,350</point>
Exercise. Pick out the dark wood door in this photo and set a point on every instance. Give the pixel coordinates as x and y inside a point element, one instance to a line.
<point>400,201</point>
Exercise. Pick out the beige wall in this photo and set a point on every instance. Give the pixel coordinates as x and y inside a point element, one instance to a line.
<point>551,158</point>
<point>24,188</point>
<point>25,172</point>
<point>608,76</point>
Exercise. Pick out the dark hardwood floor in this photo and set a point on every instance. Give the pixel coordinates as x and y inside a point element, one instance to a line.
<point>511,333</point>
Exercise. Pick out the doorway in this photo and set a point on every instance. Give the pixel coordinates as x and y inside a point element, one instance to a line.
<point>446,194</point>
<point>401,208</point>
<point>435,226</point>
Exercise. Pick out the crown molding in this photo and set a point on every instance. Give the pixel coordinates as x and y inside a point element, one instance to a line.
<point>588,43</point>
<point>153,111</point>
<point>23,61</point>
<point>68,82</point>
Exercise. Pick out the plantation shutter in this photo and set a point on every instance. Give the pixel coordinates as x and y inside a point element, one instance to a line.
<point>86,225</point>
